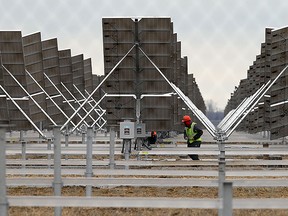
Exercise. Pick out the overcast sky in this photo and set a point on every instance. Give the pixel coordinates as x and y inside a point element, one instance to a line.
<point>221,38</point>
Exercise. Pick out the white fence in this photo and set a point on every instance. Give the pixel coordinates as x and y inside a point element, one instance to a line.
<point>146,177</point>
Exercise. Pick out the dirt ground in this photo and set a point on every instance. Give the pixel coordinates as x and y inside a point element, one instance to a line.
<point>187,192</point>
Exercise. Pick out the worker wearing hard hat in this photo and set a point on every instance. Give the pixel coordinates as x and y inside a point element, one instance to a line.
<point>192,134</point>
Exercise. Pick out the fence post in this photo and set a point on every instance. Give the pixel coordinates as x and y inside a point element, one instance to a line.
<point>221,174</point>
<point>57,183</point>
<point>83,137</point>
<point>49,140</point>
<point>112,148</point>
<point>21,135</point>
<point>89,154</point>
<point>66,136</point>
<point>138,147</point>
<point>227,199</point>
<point>23,144</point>
<point>127,150</point>
<point>3,197</point>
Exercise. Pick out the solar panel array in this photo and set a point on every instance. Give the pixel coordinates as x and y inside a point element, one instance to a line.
<point>136,75</point>
<point>271,113</point>
<point>13,58</point>
<point>37,77</point>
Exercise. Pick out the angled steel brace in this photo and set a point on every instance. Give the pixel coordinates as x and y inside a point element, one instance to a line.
<point>70,119</point>
<point>101,110</point>
<point>28,95</point>
<point>268,85</point>
<point>48,96</point>
<point>228,116</point>
<point>92,93</point>
<point>22,111</point>
<point>89,103</point>
<point>75,100</point>
<point>204,120</point>
<point>88,113</point>
<point>242,109</point>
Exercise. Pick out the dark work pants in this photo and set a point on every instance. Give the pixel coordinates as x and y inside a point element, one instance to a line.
<point>195,144</point>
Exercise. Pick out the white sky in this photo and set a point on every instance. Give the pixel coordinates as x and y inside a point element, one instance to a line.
<point>221,38</point>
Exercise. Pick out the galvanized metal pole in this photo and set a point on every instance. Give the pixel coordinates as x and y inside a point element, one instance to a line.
<point>57,183</point>
<point>138,147</point>
<point>127,149</point>
<point>221,168</point>
<point>137,72</point>
<point>66,140</point>
<point>112,148</point>
<point>49,140</point>
<point>66,136</point>
<point>83,137</point>
<point>89,150</point>
<point>3,197</point>
<point>227,199</point>
<point>23,144</point>
<point>21,135</point>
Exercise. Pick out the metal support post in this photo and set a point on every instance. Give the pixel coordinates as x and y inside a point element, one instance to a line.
<point>83,137</point>
<point>95,132</point>
<point>227,199</point>
<point>66,140</point>
<point>221,177</point>
<point>112,164</point>
<point>57,183</point>
<point>89,154</point>
<point>127,150</point>
<point>21,135</point>
<point>66,136</point>
<point>41,129</point>
<point>3,197</point>
<point>105,132</point>
<point>138,147</point>
<point>49,144</point>
<point>23,144</point>
<point>49,140</point>
<point>222,164</point>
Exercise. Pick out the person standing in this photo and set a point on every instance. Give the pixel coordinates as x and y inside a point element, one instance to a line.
<point>192,134</point>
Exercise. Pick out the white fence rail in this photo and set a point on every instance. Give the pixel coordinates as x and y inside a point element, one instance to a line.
<point>145,177</point>
<point>143,202</point>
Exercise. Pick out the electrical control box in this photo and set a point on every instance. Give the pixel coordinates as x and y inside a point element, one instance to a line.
<point>127,130</point>
<point>140,130</point>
